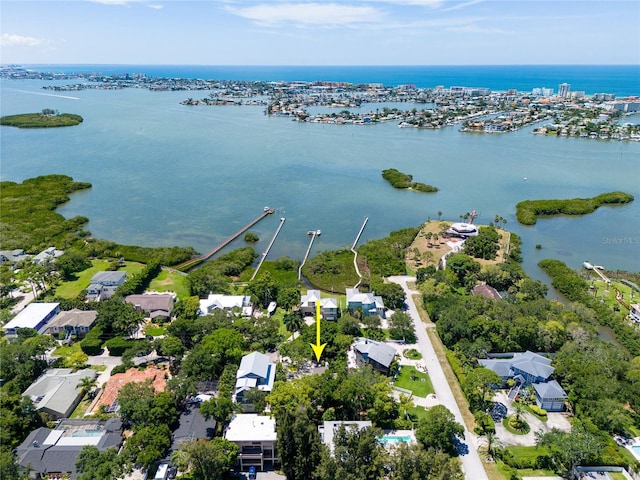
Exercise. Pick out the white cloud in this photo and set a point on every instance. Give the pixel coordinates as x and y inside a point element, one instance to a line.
<point>156,6</point>
<point>308,14</point>
<point>12,40</point>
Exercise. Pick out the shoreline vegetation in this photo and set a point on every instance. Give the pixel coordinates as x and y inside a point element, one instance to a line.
<point>527,212</point>
<point>400,180</point>
<point>45,119</point>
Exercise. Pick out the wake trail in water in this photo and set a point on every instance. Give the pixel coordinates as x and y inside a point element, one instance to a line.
<point>45,94</point>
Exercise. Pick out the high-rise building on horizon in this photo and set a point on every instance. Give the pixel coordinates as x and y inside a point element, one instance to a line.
<point>563,90</point>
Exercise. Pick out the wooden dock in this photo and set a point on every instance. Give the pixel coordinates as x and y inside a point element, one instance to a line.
<point>312,234</point>
<point>266,252</point>
<point>184,266</point>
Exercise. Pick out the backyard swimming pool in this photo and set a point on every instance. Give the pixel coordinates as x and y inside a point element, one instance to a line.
<point>393,439</point>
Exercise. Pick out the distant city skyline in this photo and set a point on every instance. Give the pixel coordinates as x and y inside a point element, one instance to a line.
<point>319,32</point>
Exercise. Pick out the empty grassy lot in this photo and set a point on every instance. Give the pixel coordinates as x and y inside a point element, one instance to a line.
<point>413,380</point>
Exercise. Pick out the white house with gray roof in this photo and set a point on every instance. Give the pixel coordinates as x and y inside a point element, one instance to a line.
<point>328,306</point>
<point>255,371</point>
<point>57,391</point>
<point>48,255</point>
<point>226,302</point>
<point>72,322</point>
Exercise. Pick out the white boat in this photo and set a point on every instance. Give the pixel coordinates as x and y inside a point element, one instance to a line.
<point>271,308</point>
<point>587,265</point>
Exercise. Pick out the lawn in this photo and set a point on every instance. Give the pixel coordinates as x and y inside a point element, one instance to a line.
<point>413,380</point>
<point>65,351</point>
<point>417,412</point>
<point>171,282</point>
<point>412,354</point>
<point>73,288</point>
<point>154,330</point>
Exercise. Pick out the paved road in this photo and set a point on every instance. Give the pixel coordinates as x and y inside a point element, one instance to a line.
<point>471,463</point>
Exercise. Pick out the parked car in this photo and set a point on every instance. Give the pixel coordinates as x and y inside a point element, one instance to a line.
<point>252,473</point>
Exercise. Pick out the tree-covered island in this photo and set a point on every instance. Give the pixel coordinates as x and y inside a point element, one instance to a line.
<point>46,119</point>
<point>397,179</point>
<point>528,210</point>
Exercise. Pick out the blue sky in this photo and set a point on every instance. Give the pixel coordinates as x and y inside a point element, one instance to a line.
<point>319,32</point>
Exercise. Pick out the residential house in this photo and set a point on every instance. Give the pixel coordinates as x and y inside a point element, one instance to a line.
<point>156,306</point>
<point>48,255</point>
<point>192,425</point>
<point>103,285</point>
<point>550,396</point>
<point>58,391</point>
<point>47,453</point>
<point>377,354</point>
<point>72,322</point>
<point>226,302</point>
<point>527,369</point>
<point>328,306</point>
<point>256,437</point>
<point>12,256</point>
<point>368,303</point>
<point>109,396</point>
<point>486,291</point>
<point>255,371</point>
<point>35,316</point>
<point>328,430</point>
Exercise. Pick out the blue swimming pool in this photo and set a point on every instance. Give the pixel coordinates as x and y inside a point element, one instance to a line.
<point>393,439</point>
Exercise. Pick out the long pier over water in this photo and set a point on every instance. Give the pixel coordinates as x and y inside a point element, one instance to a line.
<point>194,261</point>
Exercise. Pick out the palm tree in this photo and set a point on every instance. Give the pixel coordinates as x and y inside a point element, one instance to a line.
<point>86,384</point>
<point>493,443</point>
<point>439,214</point>
<point>292,322</point>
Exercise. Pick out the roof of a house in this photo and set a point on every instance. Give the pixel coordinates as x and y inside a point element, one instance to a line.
<point>251,427</point>
<point>31,315</point>
<point>550,389</point>
<point>151,302</point>
<point>377,351</point>
<point>486,291</point>
<point>109,277</point>
<point>228,302</point>
<point>74,318</point>
<point>501,366</point>
<point>48,254</point>
<point>119,380</point>
<point>12,255</point>
<point>329,428</point>
<point>253,366</point>
<point>533,364</point>
<point>57,389</point>
<point>355,296</point>
<point>55,451</point>
<point>192,424</point>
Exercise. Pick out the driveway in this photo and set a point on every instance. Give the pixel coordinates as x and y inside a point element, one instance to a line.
<point>470,459</point>
<point>554,420</point>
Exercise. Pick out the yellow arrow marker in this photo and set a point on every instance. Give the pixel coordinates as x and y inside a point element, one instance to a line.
<point>317,348</point>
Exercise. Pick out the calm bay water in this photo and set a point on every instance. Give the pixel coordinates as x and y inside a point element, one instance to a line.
<point>167,174</point>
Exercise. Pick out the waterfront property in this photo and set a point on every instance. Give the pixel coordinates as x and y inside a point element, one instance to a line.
<point>255,436</point>
<point>72,322</point>
<point>48,255</point>
<point>328,306</point>
<point>58,391</point>
<point>35,316</point>
<point>12,256</point>
<point>377,354</point>
<point>47,453</point>
<point>367,303</point>
<point>255,371</point>
<point>634,312</point>
<point>462,230</point>
<point>486,291</point>
<point>103,285</point>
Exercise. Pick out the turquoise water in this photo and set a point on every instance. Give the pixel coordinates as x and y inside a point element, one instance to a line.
<point>636,451</point>
<point>88,433</point>
<point>167,174</point>
<point>393,439</point>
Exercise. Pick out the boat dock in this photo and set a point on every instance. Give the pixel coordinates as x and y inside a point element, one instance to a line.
<point>266,252</point>
<point>312,234</point>
<point>184,266</point>
<point>355,252</point>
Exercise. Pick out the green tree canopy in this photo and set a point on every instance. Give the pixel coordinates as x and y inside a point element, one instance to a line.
<point>438,429</point>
